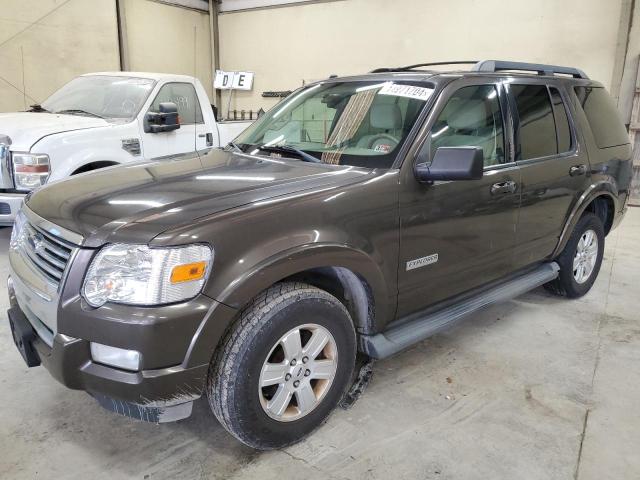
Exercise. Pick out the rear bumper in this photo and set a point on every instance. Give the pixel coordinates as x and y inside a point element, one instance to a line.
<point>9,206</point>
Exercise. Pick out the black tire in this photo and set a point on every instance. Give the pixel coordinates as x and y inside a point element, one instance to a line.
<point>233,379</point>
<point>566,284</point>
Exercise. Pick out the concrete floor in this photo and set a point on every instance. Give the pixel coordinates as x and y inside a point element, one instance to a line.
<point>537,388</point>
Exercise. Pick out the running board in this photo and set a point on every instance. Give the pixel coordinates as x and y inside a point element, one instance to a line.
<point>402,336</point>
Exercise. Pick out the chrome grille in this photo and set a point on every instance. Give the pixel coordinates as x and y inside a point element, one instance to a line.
<point>6,180</point>
<point>48,253</point>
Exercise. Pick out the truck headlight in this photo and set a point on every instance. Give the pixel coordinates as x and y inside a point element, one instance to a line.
<point>139,275</point>
<point>30,170</point>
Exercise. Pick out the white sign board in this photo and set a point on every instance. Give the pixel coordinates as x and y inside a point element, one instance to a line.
<point>233,80</point>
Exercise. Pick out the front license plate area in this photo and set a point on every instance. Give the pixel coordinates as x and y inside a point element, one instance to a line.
<point>23,336</point>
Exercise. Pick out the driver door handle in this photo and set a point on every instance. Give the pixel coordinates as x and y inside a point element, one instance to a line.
<point>578,170</point>
<point>208,136</point>
<point>502,188</point>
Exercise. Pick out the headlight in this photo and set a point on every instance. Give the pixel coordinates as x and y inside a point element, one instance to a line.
<point>139,275</point>
<point>30,170</point>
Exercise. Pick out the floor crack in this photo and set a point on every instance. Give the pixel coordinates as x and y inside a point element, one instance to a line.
<point>315,467</point>
<point>584,432</point>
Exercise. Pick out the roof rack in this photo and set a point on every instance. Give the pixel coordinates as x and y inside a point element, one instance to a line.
<point>494,66</point>
<point>541,69</point>
<point>418,65</point>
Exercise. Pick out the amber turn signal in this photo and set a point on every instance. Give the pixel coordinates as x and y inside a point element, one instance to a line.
<point>188,272</point>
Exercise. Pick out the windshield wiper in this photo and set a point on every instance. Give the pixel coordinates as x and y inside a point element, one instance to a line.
<point>235,147</point>
<point>37,108</point>
<point>75,111</point>
<point>291,150</point>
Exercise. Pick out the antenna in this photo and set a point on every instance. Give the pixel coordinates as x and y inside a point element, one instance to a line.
<point>24,88</point>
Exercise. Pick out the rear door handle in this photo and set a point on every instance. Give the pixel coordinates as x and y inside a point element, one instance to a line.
<point>578,170</point>
<point>502,188</point>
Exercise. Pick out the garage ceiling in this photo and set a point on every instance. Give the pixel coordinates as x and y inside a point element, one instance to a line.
<point>235,5</point>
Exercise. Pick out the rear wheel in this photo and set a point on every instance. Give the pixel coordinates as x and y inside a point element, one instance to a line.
<point>581,258</point>
<point>283,367</point>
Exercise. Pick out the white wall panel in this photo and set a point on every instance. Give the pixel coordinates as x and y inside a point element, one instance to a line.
<point>285,45</point>
<point>46,43</point>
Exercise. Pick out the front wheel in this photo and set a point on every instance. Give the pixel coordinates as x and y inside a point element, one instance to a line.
<point>581,258</point>
<point>283,367</point>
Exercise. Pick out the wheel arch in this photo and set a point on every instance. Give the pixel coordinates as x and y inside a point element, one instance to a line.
<point>345,272</point>
<point>348,274</point>
<point>600,198</point>
<point>95,165</point>
<point>352,290</point>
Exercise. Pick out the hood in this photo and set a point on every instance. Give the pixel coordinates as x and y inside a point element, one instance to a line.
<point>25,129</point>
<point>136,202</point>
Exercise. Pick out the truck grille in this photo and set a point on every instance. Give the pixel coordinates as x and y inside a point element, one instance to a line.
<point>6,180</point>
<point>48,253</point>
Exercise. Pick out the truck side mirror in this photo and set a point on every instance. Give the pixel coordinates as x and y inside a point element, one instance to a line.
<point>452,163</point>
<point>165,120</point>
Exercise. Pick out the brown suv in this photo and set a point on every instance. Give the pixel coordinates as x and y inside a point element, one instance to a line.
<point>359,215</point>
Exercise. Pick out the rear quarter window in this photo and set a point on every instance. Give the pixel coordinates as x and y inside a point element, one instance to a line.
<point>602,114</point>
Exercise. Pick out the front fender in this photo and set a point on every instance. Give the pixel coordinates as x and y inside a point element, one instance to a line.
<point>261,276</point>
<point>71,150</point>
<point>64,169</point>
<point>595,190</point>
<point>251,281</point>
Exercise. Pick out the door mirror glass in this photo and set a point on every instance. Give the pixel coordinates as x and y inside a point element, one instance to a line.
<point>164,120</point>
<point>452,163</point>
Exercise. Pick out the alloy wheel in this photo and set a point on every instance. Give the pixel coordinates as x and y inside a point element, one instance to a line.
<point>586,256</point>
<point>298,372</point>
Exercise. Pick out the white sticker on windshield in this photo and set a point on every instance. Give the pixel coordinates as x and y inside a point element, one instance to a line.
<point>410,91</point>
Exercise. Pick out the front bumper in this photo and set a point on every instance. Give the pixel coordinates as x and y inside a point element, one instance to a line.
<point>9,206</point>
<point>152,394</point>
<point>53,325</point>
<point>159,395</point>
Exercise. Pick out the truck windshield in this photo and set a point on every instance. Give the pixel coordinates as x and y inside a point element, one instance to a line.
<point>110,97</point>
<point>348,123</point>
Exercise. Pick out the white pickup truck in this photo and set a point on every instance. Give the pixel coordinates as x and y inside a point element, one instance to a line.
<point>103,119</point>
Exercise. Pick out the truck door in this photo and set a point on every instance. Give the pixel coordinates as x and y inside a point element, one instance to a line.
<point>192,134</point>
<point>457,235</point>
<point>554,170</point>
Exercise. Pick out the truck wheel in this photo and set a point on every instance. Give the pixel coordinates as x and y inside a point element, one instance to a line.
<point>283,367</point>
<point>581,259</point>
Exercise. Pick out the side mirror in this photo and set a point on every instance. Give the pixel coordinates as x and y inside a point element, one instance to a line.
<point>165,120</point>
<point>452,163</point>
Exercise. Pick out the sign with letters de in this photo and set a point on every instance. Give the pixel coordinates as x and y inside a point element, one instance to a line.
<point>233,80</point>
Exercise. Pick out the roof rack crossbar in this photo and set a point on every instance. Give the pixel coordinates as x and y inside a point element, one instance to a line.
<point>542,69</point>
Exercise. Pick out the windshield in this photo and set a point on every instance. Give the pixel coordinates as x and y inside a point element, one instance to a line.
<point>103,96</point>
<point>347,123</point>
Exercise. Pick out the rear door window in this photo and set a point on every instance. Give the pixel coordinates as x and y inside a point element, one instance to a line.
<point>604,119</point>
<point>562,121</point>
<point>537,130</point>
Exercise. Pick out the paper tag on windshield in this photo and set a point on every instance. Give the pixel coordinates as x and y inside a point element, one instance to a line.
<point>410,91</point>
